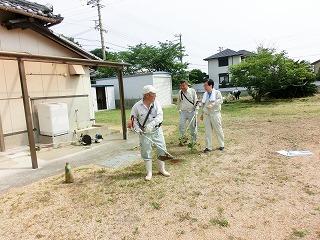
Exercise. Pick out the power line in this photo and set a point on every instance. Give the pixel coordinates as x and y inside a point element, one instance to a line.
<point>91,40</point>
<point>96,46</point>
<point>72,23</point>
<point>83,32</point>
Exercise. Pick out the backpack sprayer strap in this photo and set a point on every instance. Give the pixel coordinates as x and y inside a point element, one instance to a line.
<point>183,95</point>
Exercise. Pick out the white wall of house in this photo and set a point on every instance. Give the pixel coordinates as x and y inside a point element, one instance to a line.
<point>47,82</point>
<point>133,86</point>
<point>214,70</point>
<point>316,67</point>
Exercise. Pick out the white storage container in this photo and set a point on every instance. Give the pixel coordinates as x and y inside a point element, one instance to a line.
<point>53,119</point>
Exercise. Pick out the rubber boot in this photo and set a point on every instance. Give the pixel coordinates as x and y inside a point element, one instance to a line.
<point>162,170</point>
<point>149,170</point>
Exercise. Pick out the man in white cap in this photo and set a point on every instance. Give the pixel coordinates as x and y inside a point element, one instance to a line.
<point>212,100</point>
<point>147,117</point>
<point>187,104</point>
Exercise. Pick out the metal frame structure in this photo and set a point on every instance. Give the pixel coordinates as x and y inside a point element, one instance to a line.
<point>21,58</point>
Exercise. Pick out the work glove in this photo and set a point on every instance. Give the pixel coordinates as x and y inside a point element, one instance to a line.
<point>138,130</point>
<point>211,104</point>
<point>148,128</point>
<point>196,109</point>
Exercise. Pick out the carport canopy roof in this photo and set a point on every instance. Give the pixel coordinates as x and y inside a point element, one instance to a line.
<point>62,60</point>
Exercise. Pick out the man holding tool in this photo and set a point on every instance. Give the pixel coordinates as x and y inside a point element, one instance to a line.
<point>211,115</point>
<point>187,106</point>
<point>146,119</point>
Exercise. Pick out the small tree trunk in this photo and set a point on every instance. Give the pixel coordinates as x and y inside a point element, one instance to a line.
<point>257,98</point>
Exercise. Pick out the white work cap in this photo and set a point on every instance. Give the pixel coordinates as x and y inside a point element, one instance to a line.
<point>148,88</point>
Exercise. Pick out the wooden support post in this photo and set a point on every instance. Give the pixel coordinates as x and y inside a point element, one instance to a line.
<point>123,111</point>
<point>27,112</point>
<point>2,144</point>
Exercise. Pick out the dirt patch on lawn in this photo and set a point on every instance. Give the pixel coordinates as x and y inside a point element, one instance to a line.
<point>245,192</point>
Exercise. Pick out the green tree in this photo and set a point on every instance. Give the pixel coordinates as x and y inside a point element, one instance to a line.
<point>197,76</point>
<point>149,58</point>
<point>105,72</point>
<point>271,72</point>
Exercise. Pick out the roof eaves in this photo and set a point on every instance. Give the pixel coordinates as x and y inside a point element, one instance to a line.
<point>33,10</point>
<point>216,57</point>
<point>315,62</point>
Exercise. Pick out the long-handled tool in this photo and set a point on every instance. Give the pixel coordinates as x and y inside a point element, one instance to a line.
<point>165,151</point>
<point>194,117</point>
<point>141,133</point>
<point>189,124</point>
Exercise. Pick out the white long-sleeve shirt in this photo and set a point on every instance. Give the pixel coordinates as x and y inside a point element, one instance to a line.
<point>183,104</point>
<point>139,112</point>
<point>213,102</point>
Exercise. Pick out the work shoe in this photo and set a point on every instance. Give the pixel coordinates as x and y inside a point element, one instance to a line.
<point>162,170</point>
<point>149,170</point>
<point>207,150</point>
<point>221,148</point>
<point>181,144</point>
<point>165,157</point>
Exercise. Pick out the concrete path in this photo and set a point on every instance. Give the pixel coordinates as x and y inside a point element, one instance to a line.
<point>113,152</point>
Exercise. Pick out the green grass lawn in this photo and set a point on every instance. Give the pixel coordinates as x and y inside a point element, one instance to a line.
<point>245,108</point>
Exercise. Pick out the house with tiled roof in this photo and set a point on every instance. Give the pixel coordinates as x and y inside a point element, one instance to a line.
<point>219,63</point>
<point>51,78</point>
<point>38,12</point>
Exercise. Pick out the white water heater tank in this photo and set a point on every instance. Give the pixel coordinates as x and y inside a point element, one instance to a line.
<point>53,119</point>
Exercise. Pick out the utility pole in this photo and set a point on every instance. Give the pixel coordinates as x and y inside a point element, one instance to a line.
<point>180,40</point>
<point>96,3</point>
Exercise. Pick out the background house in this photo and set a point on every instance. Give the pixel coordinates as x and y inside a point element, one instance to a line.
<point>316,66</point>
<point>134,83</point>
<point>24,29</point>
<point>316,69</point>
<point>218,65</point>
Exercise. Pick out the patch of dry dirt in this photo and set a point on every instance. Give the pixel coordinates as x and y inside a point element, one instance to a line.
<point>245,192</point>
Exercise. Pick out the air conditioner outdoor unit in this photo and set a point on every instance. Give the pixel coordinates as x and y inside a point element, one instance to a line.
<point>53,119</point>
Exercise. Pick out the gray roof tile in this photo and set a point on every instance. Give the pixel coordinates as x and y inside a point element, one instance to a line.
<point>228,53</point>
<point>30,9</point>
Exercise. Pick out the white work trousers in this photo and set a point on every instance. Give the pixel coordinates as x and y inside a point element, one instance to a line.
<point>212,122</point>
<point>146,145</point>
<point>185,118</point>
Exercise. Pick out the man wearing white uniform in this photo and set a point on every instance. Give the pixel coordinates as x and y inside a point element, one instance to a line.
<point>147,117</point>
<point>187,102</point>
<point>212,100</point>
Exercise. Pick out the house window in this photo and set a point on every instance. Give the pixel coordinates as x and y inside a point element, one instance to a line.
<point>223,78</point>
<point>223,61</point>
